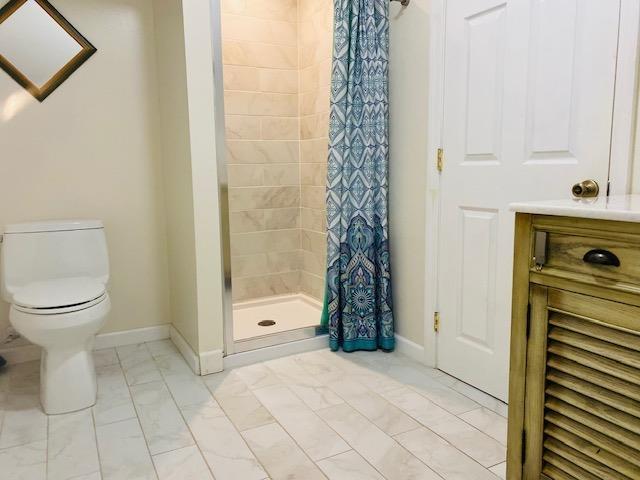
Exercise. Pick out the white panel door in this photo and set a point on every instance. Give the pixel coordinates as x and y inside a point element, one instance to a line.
<point>527,113</point>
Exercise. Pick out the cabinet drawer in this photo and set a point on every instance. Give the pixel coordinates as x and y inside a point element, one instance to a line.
<point>574,256</point>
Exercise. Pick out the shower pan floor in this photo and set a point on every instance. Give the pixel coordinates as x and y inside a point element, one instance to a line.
<point>289,312</point>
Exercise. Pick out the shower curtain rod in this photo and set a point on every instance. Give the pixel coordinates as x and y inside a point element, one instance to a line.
<point>404,3</point>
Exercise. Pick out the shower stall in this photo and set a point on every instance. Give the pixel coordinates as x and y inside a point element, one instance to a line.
<point>276,64</point>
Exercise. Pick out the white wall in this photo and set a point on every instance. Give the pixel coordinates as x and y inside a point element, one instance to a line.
<point>201,85</point>
<point>185,72</point>
<point>90,150</point>
<point>635,186</point>
<point>176,156</point>
<point>408,163</point>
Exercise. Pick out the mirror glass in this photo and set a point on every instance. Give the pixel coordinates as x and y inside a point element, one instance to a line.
<point>38,47</point>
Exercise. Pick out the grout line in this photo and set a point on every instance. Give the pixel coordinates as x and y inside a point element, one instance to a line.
<point>260,92</point>
<point>246,14</point>
<point>422,425</point>
<point>238,431</point>
<point>374,425</point>
<point>412,388</point>
<point>262,42</point>
<point>135,407</point>
<point>277,422</point>
<point>474,389</point>
<point>195,441</point>
<point>46,455</point>
<point>95,434</point>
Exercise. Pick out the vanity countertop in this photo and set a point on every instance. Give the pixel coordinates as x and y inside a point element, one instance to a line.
<point>624,208</point>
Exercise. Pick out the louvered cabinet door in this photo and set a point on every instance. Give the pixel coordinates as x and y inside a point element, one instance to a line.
<point>582,388</point>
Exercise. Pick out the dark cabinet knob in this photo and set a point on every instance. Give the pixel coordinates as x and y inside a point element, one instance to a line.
<point>601,257</point>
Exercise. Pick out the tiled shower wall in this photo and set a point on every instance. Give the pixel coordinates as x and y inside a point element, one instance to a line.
<point>276,73</point>
<point>315,34</point>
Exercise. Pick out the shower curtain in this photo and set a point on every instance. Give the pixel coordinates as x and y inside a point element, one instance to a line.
<point>358,306</point>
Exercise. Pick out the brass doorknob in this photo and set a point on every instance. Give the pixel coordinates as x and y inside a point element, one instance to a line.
<point>585,189</point>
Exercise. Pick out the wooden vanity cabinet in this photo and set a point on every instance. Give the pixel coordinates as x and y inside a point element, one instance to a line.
<point>574,394</point>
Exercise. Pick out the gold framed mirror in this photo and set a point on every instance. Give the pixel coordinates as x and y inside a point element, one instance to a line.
<point>39,48</point>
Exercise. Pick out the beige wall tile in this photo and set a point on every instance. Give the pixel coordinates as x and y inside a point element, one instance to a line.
<point>273,9</point>
<point>315,150</point>
<point>284,261</point>
<point>313,219</point>
<point>313,263</point>
<point>316,76</point>
<point>314,53</point>
<point>245,198</point>
<point>280,128</point>
<point>233,6</point>
<point>315,101</point>
<point>237,77</point>
<point>281,218</point>
<point>306,32</point>
<point>314,126</point>
<point>282,174</point>
<point>307,8</point>
<point>246,221</point>
<point>249,198</point>
<point>245,175</point>
<point>265,263</point>
<point>259,55</point>
<point>264,286</point>
<point>241,127</point>
<point>278,197</point>
<point>313,196</point>
<point>258,103</point>
<point>314,242</point>
<point>278,81</point>
<point>251,29</point>
<point>277,118</point>
<point>265,219</point>
<point>249,265</point>
<point>313,174</point>
<point>312,285</point>
<point>262,152</point>
<point>316,29</point>
<point>265,242</point>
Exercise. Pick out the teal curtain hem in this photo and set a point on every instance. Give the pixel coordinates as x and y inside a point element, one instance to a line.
<point>324,318</point>
<point>363,344</point>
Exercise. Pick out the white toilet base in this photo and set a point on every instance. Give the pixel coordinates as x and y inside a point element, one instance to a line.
<point>67,380</point>
<point>67,372</point>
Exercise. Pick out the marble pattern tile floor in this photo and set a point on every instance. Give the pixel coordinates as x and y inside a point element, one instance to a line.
<point>316,415</point>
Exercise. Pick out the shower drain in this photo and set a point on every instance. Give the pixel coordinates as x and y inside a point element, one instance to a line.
<point>267,323</point>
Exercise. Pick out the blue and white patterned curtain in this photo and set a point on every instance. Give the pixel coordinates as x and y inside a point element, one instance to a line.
<point>360,315</point>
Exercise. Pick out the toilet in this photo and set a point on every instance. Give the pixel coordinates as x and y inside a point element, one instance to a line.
<point>55,274</point>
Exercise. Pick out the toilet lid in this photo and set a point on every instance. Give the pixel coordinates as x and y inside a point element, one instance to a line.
<point>62,292</point>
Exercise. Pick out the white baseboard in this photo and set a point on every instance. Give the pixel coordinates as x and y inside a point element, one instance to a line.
<point>211,362</point>
<point>409,348</point>
<point>185,350</point>
<point>131,337</point>
<point>30,352</point>
<point>276,351</point>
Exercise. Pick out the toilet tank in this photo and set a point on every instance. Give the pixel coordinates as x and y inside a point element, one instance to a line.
<point>33,252</point>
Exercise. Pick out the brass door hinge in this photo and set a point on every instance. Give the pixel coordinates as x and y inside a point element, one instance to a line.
<point>436,322</point>
<point>440,159</point>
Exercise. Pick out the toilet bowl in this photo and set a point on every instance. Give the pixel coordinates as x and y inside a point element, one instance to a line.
<point>66,335</point>
<point>55,276</point>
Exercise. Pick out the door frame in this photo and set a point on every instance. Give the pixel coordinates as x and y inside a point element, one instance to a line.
<point>625,111</point>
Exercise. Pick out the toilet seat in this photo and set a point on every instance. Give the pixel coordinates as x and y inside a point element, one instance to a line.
<point>60,310</point>
<point>54,297</point>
